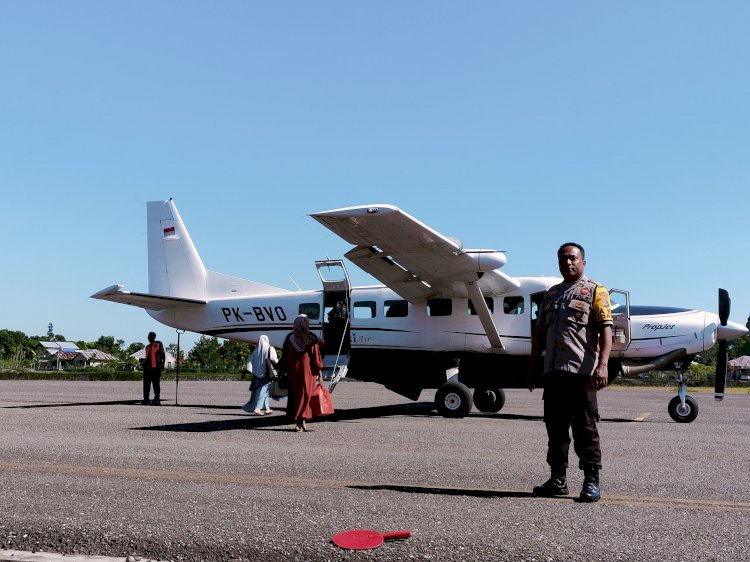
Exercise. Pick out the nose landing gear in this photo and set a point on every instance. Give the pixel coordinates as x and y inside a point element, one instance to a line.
<point>682,408</point>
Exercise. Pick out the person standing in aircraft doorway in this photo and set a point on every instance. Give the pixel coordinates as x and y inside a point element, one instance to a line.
<point>575,332</point>
<point>153,364</point>
<point>301,361</point>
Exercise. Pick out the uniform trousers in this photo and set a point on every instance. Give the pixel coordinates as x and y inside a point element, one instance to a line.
<point>151,377</point>
<point>570,404</point>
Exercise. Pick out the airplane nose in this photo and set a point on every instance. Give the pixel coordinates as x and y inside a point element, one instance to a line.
<point>731,331</point>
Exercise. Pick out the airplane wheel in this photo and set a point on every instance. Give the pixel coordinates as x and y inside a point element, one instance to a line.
<point>489,400</point>
<point>453,400</point>
<point>682,414</point>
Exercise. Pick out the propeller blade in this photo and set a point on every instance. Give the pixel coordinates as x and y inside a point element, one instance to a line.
<point>721,370</point>
<point>724,306</point>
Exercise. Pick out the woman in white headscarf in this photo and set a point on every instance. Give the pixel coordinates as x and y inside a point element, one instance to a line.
<point>302,362</point>
<point>262,360</point>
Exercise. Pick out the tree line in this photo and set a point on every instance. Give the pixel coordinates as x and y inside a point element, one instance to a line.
<point>208,353</point>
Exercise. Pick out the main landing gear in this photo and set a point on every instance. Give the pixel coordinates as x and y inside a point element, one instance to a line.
<point>682,408</point>
<point>454,399</point>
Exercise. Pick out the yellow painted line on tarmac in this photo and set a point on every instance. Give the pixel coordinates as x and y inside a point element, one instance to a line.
<point>678,503</point>
<point>642,417</point>
<point>172,475</point>
<point>318,483</point>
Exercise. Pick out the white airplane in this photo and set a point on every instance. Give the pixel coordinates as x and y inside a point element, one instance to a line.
<point>444,317</point>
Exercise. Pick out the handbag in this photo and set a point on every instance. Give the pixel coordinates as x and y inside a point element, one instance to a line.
<point>276,392</point>
<point>271,373</point>
<point>320,402</point>
<point>282,381</point>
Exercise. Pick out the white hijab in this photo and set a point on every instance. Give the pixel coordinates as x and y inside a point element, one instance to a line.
<point>257,363</point>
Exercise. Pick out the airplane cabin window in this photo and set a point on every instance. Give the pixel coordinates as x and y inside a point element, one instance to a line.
<point>439,307</point>
<point>513,305</point>
<point>311,309</point>
<point>396,309</point>
<point>364,309</point>
<point>490,304</point>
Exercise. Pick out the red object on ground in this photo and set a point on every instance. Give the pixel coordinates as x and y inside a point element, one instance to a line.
<point>362,539</point>
<point>320,402</point>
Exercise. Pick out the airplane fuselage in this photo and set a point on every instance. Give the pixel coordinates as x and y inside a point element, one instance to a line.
<point>441,308</point>
<point>424,340</point>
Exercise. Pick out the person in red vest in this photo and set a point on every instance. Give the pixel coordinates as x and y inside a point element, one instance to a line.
<point>153,364</point>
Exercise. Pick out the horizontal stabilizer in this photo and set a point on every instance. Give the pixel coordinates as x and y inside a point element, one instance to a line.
<point>115,293</point>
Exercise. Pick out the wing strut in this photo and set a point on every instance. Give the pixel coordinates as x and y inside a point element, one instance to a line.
<point>480,305</point>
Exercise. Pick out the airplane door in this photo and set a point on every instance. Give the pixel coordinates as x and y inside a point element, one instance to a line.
<point>336,319</point>
<point>620,301</point>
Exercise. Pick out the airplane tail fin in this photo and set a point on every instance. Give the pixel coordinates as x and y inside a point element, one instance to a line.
<point>175,268</point>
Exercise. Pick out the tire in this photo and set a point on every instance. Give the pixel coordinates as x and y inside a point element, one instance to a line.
<point>453,400</point>
<point>680,414</point>
<point>489,400</point>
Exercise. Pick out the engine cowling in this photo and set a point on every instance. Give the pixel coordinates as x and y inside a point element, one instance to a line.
<point>485,260</point>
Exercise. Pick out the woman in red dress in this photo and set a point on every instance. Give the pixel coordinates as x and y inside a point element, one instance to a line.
<point>303,364</point>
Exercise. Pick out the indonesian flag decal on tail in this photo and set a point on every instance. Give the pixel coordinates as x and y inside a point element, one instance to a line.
<point>169,232</point>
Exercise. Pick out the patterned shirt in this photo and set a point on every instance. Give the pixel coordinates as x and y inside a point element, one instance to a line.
<point>572,314</point>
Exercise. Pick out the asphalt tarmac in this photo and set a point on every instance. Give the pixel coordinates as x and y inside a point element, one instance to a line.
<point>86,470</point>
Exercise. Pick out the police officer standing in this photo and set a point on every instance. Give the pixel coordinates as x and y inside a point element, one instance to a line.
<point>574,329</point>
<point>153,364</point>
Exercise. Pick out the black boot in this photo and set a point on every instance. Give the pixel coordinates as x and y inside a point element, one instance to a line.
<point>590,491</point>
<point>555,486</point>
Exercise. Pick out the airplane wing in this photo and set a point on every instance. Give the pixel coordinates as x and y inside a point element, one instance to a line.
<point>143,300</point>
<point>412,259</point>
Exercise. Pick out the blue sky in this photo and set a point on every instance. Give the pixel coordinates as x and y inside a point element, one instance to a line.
<point>508,125</point>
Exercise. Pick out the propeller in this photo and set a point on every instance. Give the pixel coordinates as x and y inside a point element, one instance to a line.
<point>721,356</point>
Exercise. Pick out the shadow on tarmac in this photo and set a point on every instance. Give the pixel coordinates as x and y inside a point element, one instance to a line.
<point>67,404</point>
<point>459,492</point>
<point>256,422</point>
<point>414,409</point>
<point>269,422</point>
<point>164,403</point>
<point>446,491</point>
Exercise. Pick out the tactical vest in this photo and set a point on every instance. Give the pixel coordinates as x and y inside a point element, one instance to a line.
<point>571,327</point>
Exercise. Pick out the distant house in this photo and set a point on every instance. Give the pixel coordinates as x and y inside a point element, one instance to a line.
<point>59,355</point>
<point>169,361</point>
<point>740,368</point>
<point>55,354</point>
